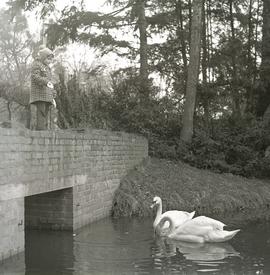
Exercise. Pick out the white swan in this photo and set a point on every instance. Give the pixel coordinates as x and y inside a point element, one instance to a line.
<point>198,230</point>
<point>178,217</point>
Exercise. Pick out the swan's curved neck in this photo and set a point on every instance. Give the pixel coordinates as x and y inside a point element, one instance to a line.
<point>171,223</point>
<point>158,215</point>
<point>159,209</point>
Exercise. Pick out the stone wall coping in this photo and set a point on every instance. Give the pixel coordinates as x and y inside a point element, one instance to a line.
<point>82,133</point>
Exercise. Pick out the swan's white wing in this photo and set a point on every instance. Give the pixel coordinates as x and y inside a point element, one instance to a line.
<point>192,227</point>
<point>209,229</point>
<point>221,235</point>
<point>205,221</point>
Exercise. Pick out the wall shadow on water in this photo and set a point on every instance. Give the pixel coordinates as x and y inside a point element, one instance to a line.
<point>48,252</point>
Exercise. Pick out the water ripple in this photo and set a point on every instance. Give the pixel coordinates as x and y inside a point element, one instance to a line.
<point>128,246</point>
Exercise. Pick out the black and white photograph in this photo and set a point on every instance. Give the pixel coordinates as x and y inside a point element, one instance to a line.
<point>134,137</point>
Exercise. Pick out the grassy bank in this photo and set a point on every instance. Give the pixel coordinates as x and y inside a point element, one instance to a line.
<point>187,188</point>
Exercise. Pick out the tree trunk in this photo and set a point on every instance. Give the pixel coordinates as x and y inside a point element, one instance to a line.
<point>9,110</point>
<point>180,34</point>
<point>204,69</point>
<point>193,70</point>
<point>211,73</point>
<point>256,35</point>
<point>190,20</point>
<point>264,93</point>
<point>234,85</point>
<point>142,24</point>
<point>249,95</point>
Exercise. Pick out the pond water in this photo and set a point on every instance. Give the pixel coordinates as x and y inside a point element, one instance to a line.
<point>128,246</point>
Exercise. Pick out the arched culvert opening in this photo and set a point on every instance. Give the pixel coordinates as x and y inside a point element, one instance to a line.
<point>51,210</point>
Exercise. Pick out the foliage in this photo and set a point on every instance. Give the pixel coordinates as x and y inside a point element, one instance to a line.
<point>81,106</point>
<point>187,188</point>
<point>16,47</point>
<point>234,147</point>
<point>17,5</point>
<point>237,149</point>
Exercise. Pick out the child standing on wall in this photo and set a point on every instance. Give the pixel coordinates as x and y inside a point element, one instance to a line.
<point>42,89</point>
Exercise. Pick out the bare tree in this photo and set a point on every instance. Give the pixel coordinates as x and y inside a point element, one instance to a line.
<point>15,51</point>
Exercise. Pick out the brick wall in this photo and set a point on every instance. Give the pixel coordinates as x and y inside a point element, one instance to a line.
<point>35,162</point>
<point>91,163</point>
<point>11,227</point>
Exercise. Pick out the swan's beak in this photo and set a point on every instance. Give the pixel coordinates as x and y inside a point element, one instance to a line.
<point>152,205</point>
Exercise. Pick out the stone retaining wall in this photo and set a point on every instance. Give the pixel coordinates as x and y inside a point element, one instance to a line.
<point>90,162</point>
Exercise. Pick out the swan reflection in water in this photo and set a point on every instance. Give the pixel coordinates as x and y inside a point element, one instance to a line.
<point>197,251</point>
